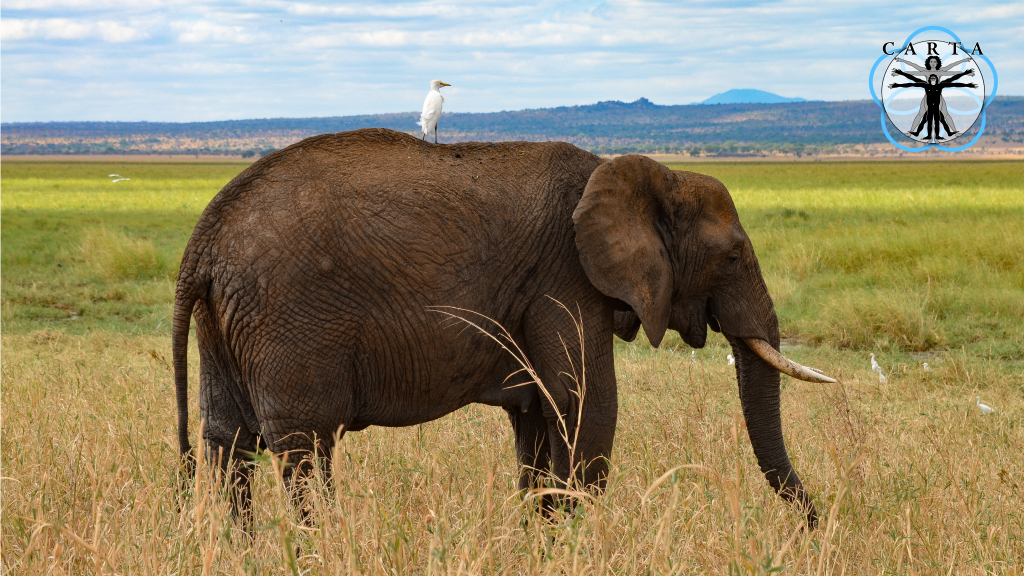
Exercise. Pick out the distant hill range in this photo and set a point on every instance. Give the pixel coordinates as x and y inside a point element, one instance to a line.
<point>749,96</point>
<point>605,127</point>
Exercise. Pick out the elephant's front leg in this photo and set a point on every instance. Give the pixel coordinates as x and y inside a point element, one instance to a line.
<point>577,392</point>
<point>581,443</point>
<point>533,450</point>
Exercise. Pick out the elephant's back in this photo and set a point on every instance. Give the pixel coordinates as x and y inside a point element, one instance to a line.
<point>377,211</point>
<point>376,172</point>
<point>374,156</point>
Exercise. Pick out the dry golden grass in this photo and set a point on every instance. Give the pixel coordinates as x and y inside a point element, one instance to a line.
<point>915,262</point>
<point>114,256</point>
<point>908,476</point>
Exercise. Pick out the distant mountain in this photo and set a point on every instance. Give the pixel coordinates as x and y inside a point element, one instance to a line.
<point>749,96</point>
<point>606,127</point>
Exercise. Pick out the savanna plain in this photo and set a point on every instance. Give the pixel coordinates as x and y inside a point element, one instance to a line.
<point>919,263</point>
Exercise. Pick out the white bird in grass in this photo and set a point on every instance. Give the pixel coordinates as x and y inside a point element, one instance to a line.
<point>432,109</point>
<point>985,409</point>
<point>693,356</point>
<point>875,366</point>
<point>926,366</point>
<point>117,178</point>
<point>731,359</point>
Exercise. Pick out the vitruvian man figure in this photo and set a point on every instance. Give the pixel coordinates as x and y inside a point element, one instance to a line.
<point>933,65</point>
<point>933,104</point>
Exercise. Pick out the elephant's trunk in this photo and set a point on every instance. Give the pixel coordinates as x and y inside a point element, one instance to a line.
<point>759,395</point>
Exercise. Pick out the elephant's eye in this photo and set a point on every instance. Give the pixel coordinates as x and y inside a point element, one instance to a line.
<point>734,257</point>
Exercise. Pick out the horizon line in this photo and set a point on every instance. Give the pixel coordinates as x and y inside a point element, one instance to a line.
<point>642,98</point>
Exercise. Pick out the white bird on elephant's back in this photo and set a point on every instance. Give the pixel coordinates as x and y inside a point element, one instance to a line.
<point>432,109</point>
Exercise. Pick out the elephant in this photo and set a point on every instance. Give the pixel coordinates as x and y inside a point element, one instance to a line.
<point>316,277</point>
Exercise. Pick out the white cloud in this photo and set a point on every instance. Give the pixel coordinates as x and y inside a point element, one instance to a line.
<point>383,38</point>
<point>405,10</point>
<point>80,5</point>
<point>114,32</point>
<point>379,38</point>
<point>205,31</point>
<point>12,29</point>
<point>206,68</point>
<point>991,14</point>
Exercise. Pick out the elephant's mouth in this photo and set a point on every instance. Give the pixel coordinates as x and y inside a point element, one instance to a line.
<point>691,319</point>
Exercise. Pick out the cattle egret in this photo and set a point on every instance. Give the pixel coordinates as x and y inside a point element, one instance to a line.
<point>875,366</point>
<point>117,178</point>
<point>985,409</point>
<point>731,359</point>
<point>432,109</point>
<point>926,366</point>
<point>693,356</point>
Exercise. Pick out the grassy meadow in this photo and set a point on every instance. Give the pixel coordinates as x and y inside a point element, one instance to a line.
<point>916,262</point>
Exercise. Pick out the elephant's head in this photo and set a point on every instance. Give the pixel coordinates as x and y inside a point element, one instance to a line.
<point>670,246</point>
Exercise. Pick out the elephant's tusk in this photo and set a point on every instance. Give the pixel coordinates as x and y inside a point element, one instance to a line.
<point>783,364</point>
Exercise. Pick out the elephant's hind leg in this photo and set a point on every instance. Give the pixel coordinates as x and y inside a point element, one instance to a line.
<point>230,443</point>
<point>303,417</point>
<point>305,464</point>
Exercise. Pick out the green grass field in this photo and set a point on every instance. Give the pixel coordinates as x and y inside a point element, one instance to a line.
<point>915,262</point>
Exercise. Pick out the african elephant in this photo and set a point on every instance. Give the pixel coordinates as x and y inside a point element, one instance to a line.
<point>316,276</point>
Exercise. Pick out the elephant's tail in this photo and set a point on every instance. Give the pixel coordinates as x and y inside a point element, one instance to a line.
<point>185,298</point>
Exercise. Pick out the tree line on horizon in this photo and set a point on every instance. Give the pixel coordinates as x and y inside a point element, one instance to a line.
<point>606,128</point>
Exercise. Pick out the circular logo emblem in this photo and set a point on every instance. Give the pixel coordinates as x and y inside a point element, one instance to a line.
<point>933,91</point>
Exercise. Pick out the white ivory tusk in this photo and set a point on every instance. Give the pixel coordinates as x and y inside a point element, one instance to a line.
<point>783,364</point>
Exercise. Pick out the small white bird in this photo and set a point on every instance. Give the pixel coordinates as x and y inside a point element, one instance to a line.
<point>985,409</point>
<point>731,359</point>
<point>432,109</point>
<point>926,366</point>
<point>693,356</point>
<point>117,178</point>
<point>877,368</point>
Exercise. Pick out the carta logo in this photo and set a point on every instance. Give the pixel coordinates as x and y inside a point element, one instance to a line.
<point>933,91</point>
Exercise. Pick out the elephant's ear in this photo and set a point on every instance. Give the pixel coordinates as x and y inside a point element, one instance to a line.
<point>617,236</point>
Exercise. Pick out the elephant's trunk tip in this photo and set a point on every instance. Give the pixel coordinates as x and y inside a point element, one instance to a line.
<point>785,365</point>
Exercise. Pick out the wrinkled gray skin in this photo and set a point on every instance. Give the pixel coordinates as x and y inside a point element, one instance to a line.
<point>315,276</point>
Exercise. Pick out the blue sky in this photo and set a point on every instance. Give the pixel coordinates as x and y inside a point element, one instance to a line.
<point>171,60</point>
